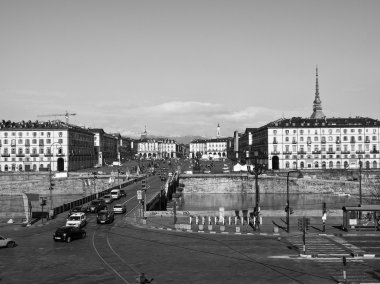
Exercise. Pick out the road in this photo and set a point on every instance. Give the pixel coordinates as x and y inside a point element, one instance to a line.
<point>118,252</point>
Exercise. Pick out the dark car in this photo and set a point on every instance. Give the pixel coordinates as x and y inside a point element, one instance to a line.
<point>105,216</point>
<point>97,205</point>
<point>77,209</point>
<point>67,234</point>
<point>123,192</point>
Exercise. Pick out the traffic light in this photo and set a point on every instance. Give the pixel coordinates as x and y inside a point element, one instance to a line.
<point>307,224</point>
<point>291,210</point>
<point>52,184</point>
<point>286,208</point>
<point>143,184</point>
<point>300,224</point>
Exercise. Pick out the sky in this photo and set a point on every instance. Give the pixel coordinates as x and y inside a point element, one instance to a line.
<point>181,67</point>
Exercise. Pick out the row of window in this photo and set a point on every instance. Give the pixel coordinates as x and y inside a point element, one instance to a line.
<point>338,148</point>
<point>27,141</point>
<point>330,131</point>
<point>34,151</point>
<point>330,164</point>
<point>14,167</point>
<point>34,134</point>
<point>330,139</point>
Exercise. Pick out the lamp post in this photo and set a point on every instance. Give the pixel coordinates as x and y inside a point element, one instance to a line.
<point>258,170</point>
<point>360,182</point>
<point>50,174</point>
<point>287,209</point>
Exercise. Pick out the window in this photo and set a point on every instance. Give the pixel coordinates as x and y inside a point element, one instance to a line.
<point>20,134</point>
<point>345,131</point>
<point>13,133</point>
<point>287,165</point>
<point>330,131</point>
<point>360,131</point>
<point>5,134</point>
<point>60,141</point>
<point>301,139</point>
<point>345,138</point>
<point>330,138</point>
<point>301,132</point>
<point>27,150</point>
<point>373,138</point>
<point>287,132</point>
<point>60,134</point>
<point>48,134</point>
<point>360,138</point>
<point>5,141</point>
<point>34,134</point>
<point>294,131</point>
<point>286,139</point>
<point>48,141</point>
<point>274,132</point>
<point>19,141</point>
<point>315,139</point>
<point>41,150</point>
<point>352,130</point>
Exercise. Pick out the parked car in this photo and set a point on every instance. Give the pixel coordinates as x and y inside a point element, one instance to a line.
<point>105,216</point>
<point>123,192</point>
<point>119,208</point>
<point>7,242</point>
<point>97,205</point>
<point>77,220</point>
<point>77,209</point>
<point>67,234</point>
<point>108,198</point>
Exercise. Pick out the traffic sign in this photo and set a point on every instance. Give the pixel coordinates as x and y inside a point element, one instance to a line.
<point>139,195</point>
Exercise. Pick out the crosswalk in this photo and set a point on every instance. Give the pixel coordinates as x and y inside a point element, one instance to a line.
<point>318,245</point>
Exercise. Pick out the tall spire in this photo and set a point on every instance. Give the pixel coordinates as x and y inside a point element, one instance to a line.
<point>317,104</point>
<point>218,131</point>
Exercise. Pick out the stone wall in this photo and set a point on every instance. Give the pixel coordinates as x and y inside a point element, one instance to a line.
<point>268,184</point>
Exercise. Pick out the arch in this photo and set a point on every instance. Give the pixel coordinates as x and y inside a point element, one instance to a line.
<point>13,167</point>
<point>275,163</point>
<point>287,165</point>
<point>34,167</point>
<point>367,165</point>
<point>338,165</point>
<point>331,164</point>
<point>60,165</point>
<point>6,168</point>
<point>323,165</point>
<point>345,164</point>
<point>316,165</point>
<point>20,168</point>
<point>374,165</point>
<point>302,165</point>
<point>294,165</point>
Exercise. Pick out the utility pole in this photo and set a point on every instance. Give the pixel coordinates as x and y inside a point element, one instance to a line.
<point>259,168</point>
<point>360,182</point>
<point>287,208</point>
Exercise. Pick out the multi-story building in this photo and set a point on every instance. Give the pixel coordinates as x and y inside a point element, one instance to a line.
<point>157,148</point>
<point>215,148</point>
<point>40,146</point>
<point>105,146</point>
<point>318,142</point>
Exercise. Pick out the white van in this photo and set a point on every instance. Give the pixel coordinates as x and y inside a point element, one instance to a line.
<point>115,193</point>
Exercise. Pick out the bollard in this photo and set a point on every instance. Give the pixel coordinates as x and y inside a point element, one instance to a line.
<point>191,219</point>
<point>242,220</point>
<point>223,221</point>
<point>235,220</point>
<point>216,220</point>
<point>196,220</point>
<point>203,220</point>
<point>229,220</point>
<point>209,220</point>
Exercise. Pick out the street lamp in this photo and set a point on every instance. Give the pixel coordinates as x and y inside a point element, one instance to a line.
<point>258,170</point>
<point>50,174</point>
<point>287,209</point>
<point>360,182</point>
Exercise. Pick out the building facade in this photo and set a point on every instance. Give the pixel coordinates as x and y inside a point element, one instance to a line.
<point>105,146</point>
<point>41,146</point>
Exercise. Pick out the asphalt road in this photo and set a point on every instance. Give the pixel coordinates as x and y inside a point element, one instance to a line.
<point>118,252</point>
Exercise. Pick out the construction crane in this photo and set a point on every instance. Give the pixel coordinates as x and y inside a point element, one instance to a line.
<point>66,115</point>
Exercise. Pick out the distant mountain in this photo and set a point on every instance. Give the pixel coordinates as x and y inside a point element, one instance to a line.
<point>186,139</point>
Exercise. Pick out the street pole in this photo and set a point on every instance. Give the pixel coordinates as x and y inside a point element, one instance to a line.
<point>360,182</point>
<point>287,198</point>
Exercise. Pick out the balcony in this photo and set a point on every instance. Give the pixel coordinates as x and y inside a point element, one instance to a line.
<point>301,152</point>
<point>316,152</point>
<point>337,141</point>
<point>20,155</point>
<point>330,152</point>
<point>345,152</point>
<point>352,141</point>
<point>34,155</point>
<point>5,155</point>
<point>360,152</point>
<point>287,153</point>
<point>375,152</point>
<point>275,153</point>
<point>323,141</point>
<point>48,155</point>
<point>294,142</point>
<point>274,142</point>
<point>367,141</point>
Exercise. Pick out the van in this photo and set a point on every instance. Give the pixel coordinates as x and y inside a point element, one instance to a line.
<point>115,193</point>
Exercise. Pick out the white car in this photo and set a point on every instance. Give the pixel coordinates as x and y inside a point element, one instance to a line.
<point>7,242</point>
<point>77,220</point>
<point>119,208</point>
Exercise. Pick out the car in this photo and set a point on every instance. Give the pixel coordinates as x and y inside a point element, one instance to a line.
<point>105,216</point>
<point>123,192</point>
<point>77,220</point>
<point>97,205</point>
<point>77,209</point>
<point>68,233</point>
<point>7,242</point>
<point>119,208</point>
<point>115,193</point>
<point>108,198</point>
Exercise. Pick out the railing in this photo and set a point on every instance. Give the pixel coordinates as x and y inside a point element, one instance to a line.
<point>345,152</point>
<point>48,155</point>
<point>367,141</point>
<point>301,152</point>
<point>352,141</point>
<point>337,141</point>
<point>316,152</point>
<point>323,141</point>
<point>294,142</point>
<point>375,152</point>
<point>287,153</point>
<point>34,155</point>
<point>5,155</point>
<point>330,152</point>
<point>360,152</point>
<point>20,155</point>
<point>275,153</point>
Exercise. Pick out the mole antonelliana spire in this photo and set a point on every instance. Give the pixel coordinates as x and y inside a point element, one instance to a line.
<point>317,104</point>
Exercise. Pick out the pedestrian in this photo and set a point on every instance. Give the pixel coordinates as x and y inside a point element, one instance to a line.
<point>141,279</point>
